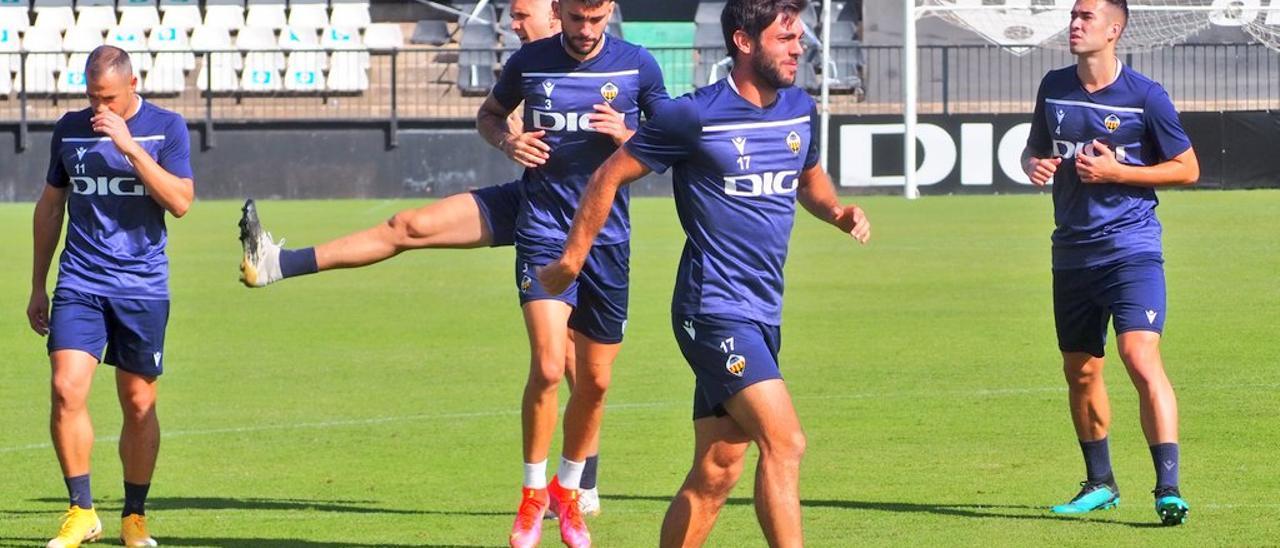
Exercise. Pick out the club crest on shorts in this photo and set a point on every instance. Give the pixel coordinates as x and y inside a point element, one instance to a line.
<point>1112,123</point>
<point>793,142</point>
<point>525,283</point>
<point>609,92</point>
<point>735,365</point>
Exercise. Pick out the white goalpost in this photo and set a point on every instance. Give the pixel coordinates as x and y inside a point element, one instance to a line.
<point>1019,26</point>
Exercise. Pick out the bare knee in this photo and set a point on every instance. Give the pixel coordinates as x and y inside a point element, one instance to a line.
<point>545,373</point>
<point>785,448</point>
<point>1083,374</point>
<point>714,478</point>
<point>67,395</point>
<point>409,227</point>
<point>138,408</point>
<point>593,384</point>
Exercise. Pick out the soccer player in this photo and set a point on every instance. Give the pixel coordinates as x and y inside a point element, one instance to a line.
<point>744,151</point>
<point>1108,137</point>
<point>115,169</point>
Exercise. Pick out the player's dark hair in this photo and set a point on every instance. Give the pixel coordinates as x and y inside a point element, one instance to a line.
<point>106,59</point>
<point>591,3</point>
<point>1124,8</point>
<point>753,16</point>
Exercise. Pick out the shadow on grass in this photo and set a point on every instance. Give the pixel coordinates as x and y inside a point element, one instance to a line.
<point>990,511</point>
<point>258,504</point>
<point>248,543</point>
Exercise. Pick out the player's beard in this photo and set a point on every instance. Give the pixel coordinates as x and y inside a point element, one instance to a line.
<point>772,73</point>
<point>590,46</point>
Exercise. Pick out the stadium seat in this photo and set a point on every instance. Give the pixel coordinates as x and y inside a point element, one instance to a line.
<point>345,39</point>
<point>298,38</point>
<point>261,50</point>
<point>143,17</point>
<point>309,13</point>
<point>6,83</point>
<point>304,48</point>
<point>475,80</point>
<point>263,14</point>
<point>71,79</point>
<point>223,73</point>
<point>226,16</point>
<point>708,12</point>
<point>259,78</point>
<point>478,43</point>
<point>384,36</point>
<point>431,32</point>
<point>133,41</point>
<point>14,14</point>
<point>166,76</point>
<point>210,38</point>
<point>304,73</point>
<point>95,16</point>
<point>10,45</point>
<point>81,39</point>
<point>347,73</point>
<point>352,14</point>
<point>58,18</point>
<point>182,14</point>
<point>169,39</point>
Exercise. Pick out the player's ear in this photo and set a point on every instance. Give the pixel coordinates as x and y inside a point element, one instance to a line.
<point>743,41</point>
<point>555,9</point>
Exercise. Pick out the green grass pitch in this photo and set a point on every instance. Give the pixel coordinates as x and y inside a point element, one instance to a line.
<point>379,407</point>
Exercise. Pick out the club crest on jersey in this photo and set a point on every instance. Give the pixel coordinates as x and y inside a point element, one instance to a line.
<point>609,92</point>
<point>80,153</point>
<point>793,142</point>
<point>735,365</point>
<point>740,143</point>
<point>1112,123</point>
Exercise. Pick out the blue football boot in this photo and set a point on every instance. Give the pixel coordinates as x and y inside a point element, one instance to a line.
<point>1093,496</point>
<point>1170,506</point>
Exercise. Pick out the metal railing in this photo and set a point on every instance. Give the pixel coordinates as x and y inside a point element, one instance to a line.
<point>422,84</point>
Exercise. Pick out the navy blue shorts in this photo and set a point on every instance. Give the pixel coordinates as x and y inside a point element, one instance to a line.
<point>1129,292</point>
<point>132,330</point>
<point>727,354</point>
<point>499,205</point>
<point>598,296</point>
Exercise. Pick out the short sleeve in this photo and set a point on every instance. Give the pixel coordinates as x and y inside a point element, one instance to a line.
<point>175,155</point>
<point>1038,141</point>
<point>509,90</point>
<point>669,136</point>
<point>1163,126</point>
<point>57,175</point>
<point>653,90</point>
<point>814,155</point>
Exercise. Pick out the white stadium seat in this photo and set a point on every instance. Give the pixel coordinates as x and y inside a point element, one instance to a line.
<point>134,41</point>
<point>347,72</point>
<point>384,36</point>
<point>309,13</point>
<point>123,4</point>
<point>96,17</point>
<point>355,15</point>
<point>13,14</point>
<point>183,14</point>
<point>295,38</point>
<point>231,17</point>
<point>58,18</point>
<point>169,39</point>
<point>71,80</point>
<point>44,59</point>
<point>304,75</point>
<point>10,45</point>
<point>166,76</point>
<point>259,78</point>
<point>81,39</point>
<point>210,38</point>
<point>6,83</point>
<point>144,17</point>
<point>266,15</point>
<point>224,66</point>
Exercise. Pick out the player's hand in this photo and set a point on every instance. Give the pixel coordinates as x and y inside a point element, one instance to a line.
<point>852,221</point>
<point>1041,170</point>
<point>112,125</point>
<point>556,277</point>
<point>527,149</point>
<point>610,122</point>
<point>1099,167</point>
<point>38,313</point>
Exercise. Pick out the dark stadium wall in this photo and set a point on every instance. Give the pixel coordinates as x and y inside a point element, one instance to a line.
<point>309,162</point>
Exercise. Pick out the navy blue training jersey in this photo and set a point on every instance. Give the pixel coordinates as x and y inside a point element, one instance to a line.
<point>115,232</point>
<point>1102,223</point>
<point>737,167</point>
<point>559,93</point>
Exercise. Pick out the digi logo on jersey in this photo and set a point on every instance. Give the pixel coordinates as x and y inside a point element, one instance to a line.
<point>561,121</point>
<point>768,183</point>
<point>107,186</point>
<point>1068,150</point>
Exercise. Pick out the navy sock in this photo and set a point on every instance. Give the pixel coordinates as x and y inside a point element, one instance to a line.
<point>135,498</point>
<point>589,473</point>
<point>78,491</point>
<point>1165,457</point>
<point>1097,461</point>
<point>296,262</point>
